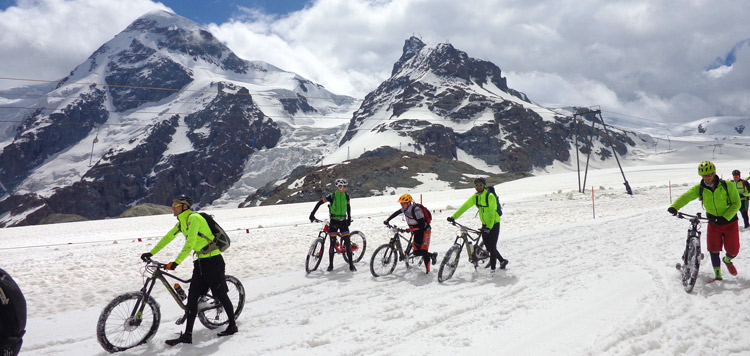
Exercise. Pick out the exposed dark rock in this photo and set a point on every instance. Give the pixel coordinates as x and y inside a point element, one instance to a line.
<point>371,174</point>
<point>43,135</point>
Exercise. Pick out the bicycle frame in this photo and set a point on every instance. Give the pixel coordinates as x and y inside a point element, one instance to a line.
<point>396,243</point>
<point>148,286</point>
<point>338,246</point>
<point>464,237</point>
<point>692,255</point>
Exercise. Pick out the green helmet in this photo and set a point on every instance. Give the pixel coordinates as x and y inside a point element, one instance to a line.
<point>706,168</point>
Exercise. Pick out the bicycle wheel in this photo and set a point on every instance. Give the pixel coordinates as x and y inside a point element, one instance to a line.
<point>449,264</point>
<point>359,245</point>
<point>481,255</point>
<point>314,255</point>
<point>692,265</point>
<point>211,312</point>
<point>383,261</point>
<point>118,329</point>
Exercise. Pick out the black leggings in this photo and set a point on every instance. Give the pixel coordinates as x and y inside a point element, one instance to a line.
<point>490,242</point>
<point>341,228</point>
<point>208,273</point>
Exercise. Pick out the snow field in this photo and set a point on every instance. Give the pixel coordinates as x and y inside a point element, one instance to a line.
<point>575,285</point>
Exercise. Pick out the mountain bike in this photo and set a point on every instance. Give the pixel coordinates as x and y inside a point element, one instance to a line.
<point>317,248</point>
<point>475,250</point>
<point>132,319</point>
<point>691,258</point>
<point>385,257</point>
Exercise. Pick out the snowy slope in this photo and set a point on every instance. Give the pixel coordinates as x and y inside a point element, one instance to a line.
<point>576,285</point>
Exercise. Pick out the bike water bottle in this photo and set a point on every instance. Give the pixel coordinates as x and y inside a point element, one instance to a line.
<point>180,291</point>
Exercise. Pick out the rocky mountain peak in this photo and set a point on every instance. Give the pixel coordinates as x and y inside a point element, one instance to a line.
<point>412,47</point>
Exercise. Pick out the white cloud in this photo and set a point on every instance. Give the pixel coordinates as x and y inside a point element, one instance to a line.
<point>644,56</point>
<point>46,39</point>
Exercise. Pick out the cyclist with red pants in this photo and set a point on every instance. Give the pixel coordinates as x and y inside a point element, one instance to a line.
<point>721,201</point>
<point>419,227</point>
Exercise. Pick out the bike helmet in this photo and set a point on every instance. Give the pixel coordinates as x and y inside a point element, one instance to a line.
<point>480,180</point>
<point>341,181</point>
<point>736,172</point>
<point>406,198</point>
<point>706,168</point>
<point>184,199</point>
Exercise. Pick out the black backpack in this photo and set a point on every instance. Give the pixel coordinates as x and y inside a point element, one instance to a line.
<point>12,315</point>
<point>491,189</point>
<point>221,240</point>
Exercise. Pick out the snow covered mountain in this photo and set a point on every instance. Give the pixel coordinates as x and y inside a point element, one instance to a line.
<point>440,101</point>
<point>163,108</point>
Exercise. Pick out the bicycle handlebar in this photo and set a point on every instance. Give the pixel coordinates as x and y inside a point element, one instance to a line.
<point>465,228</point>
<point>681,215</point>
<point>396,228</point>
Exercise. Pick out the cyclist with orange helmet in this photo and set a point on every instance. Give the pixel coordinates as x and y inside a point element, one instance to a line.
<point>721,201</point>
<point>420,228</point>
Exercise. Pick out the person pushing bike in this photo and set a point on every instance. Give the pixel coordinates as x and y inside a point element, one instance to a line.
<point>721,201</point>
<point>208,268</point>
<point>486,203</point>
<point>341,217</point>
<point>419,227</point>
<point>743,188</point>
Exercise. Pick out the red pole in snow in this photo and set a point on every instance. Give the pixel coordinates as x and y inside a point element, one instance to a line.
<point>670,191</point>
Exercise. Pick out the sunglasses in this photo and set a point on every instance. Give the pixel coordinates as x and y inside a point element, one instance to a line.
<point>342,186</point>
<point>479,185</point>
<point>175,205</point>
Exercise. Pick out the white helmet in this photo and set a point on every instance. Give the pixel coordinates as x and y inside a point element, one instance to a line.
<point>341,182</point>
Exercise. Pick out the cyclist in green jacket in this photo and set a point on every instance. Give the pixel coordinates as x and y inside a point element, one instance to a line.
<point>743,188</point>
<point>208,268</point>
<point>341,218</point>
<point>721,202</point>
<point>486,202</point>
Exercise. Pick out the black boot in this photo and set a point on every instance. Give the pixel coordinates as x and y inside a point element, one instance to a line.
<point>182,339</point>
<point>230,330</point>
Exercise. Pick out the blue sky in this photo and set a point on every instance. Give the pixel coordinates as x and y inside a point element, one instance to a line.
<point>214,11</point>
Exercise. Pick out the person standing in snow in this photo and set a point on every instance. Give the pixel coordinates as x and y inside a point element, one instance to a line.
<point>419,227</point>
<point>208,268</point>
<point>486,202</point>
<point>340,219</point>
<point>743,188</point>
<point>12,315</point>
<point>721,201</point>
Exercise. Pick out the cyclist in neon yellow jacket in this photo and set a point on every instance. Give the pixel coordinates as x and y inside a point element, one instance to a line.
<point>743,188</point>
<point>208,267</point>
<point>486,202</point>
<point>721,201</point>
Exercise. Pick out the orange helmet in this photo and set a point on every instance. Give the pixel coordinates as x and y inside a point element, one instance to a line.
<point>406,198</point>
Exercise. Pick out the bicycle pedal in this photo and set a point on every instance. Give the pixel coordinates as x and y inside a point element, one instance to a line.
<point>678,266</point>
<point>181,320</point>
